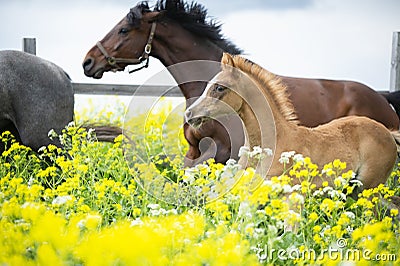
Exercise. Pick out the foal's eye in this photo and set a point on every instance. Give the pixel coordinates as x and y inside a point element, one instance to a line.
<point>219,88</point>
<point>123,31</point>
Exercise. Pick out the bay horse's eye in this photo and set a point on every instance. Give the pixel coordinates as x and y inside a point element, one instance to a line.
<point>123,31</point>
<point>219,88</point>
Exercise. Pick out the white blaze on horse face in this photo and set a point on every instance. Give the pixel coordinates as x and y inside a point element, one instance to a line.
<point>197,108</point>
<point>203,96</point>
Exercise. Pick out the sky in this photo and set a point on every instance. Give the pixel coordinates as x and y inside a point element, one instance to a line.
<point>337,39</point>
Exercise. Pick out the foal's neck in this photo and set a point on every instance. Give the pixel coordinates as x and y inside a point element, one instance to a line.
<point>263,121</point>
<point>173,44</point>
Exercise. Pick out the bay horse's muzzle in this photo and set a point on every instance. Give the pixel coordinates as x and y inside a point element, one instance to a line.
<point>195,120</point>
<point>88,65</point>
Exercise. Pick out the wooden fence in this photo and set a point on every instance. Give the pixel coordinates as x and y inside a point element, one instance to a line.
<point>29,46</point>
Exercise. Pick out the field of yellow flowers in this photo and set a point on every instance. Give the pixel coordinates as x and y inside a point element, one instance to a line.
<point>126,203</point>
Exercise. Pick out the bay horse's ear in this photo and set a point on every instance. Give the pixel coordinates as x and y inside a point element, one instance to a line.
<point>227,59</point>
<point>155,16</point>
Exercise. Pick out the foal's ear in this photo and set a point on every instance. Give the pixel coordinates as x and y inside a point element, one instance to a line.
<point>227,59</point>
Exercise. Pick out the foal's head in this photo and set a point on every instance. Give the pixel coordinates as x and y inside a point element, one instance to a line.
<point>239,85</point>
<point>224,95</point>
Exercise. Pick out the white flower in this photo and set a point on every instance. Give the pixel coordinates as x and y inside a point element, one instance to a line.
<point>357,182</point>
<point>71,124</point>
<point>285,156</point>
<point>267,183</point>
<point>318,193</point>
<point>42,149</point>
<point>268,151</point>
<point>296,198</point>
<point>244,151</point>
<point>272,229</point>
<point>189,176</point>
<point>30,205</point>
<point>244,210</point>
<point>342,196</point>
<point>231,162</point>
<point>351,215</point>
<point>155,212</point>
<point>287,188</point>
<point>260,231</point>
<point>298,158</point>
<point>296,187</point>
<point>61,200</point>
<point>137,222</point>
<point>153,206</point>
<point>341,180</point>
<point>229,182</point>
<point>52,134</point>
<point>90,133</point>
<point>249,225</point>
<point>326,189</point>
<point>30,182</point>
<point>257,150</point>
<point>172,211</point>
<point>335,194</point>
<point>212,194</point>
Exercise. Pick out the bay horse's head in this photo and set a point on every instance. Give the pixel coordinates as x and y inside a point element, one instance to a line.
<point>224,95</point>
<point>129,42</point>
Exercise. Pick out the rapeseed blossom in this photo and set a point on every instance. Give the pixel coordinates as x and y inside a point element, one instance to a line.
<point>92,203</point>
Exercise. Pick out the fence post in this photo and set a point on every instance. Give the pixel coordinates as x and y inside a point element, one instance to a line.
<point>29,45</point>
<point>395,63</point>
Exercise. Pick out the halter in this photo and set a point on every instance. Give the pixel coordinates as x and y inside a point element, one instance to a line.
<point>113,62</point>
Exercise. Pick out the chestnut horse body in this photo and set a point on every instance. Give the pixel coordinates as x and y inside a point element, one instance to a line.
<point>176,32</point>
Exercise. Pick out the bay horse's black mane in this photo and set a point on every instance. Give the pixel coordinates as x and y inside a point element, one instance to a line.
<point>192,17</point>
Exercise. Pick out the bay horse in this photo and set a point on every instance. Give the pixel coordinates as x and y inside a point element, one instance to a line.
<point>394,99</point>
<point>368,148</point>
<point>175,32</point>
<point>36,96</point>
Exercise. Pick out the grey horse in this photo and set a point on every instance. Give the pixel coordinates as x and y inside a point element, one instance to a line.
<point>35,97</point>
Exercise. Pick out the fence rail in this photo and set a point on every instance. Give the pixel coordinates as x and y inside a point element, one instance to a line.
<point>129,90</point>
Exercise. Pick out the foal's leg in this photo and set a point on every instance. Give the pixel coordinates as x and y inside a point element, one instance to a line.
<point>375,171</point>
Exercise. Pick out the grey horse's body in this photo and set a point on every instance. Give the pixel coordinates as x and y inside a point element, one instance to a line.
<point>35,97</point>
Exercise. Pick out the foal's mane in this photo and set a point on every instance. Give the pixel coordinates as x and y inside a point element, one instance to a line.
<point>193,17</point>
<point>272,86</point>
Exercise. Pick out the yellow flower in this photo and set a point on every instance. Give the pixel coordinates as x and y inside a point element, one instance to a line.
<point>327,206</point>
<point>313,216</point>
<point>339,165</point>
<point>394,212</point>
<point>318,239</point>
<point>317,229</point>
